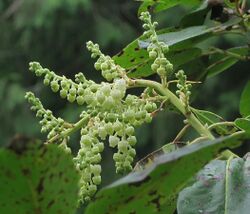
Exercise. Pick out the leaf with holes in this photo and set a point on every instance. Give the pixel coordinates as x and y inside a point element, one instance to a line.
<point>222,187</point>
<point>37,179</point>
<point>154,189</point>
<point>134,58</point>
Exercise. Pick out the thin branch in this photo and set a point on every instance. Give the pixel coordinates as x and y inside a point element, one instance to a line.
<point>194,122</point>
<point>181,133</point>
<point>229,53</point>
<point>70,131</point>
<point>199,139</point>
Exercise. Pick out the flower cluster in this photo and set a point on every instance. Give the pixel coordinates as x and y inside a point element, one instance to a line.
<point>104,63</point>
<point>117,125</point>
<point>156,49</point>
<point>111,114</point>
<point>113,117</point>
<point>49,123</point>
<point>183,88</point>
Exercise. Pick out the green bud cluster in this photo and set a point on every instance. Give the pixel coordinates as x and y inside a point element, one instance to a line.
<point>49,123</point>
<point>88,163</point>
<point>63,145</point>
<point>183,88</point>
<point>105,64</point>
<point>112,116</point>
<point>156,49</point>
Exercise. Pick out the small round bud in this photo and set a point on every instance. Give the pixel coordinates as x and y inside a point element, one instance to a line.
<point>132,140</point>
<point>46,81</point>
<point>106,89</point>
<point>72,91</point>
<point>117,126</point>
<point>104,66</point>
<point>113,141</point>
<point>97,66</point>
<point>80,100</point>
<point>152,54</point>
<point>154,67</point>
<point>86,140</point>
<point>71,98</point>
<point>122,146</point>
<point>97,180</point>
<point>54,86</point>
<point>161,71</point>
<point>108,103</point>
<point>63,93</point>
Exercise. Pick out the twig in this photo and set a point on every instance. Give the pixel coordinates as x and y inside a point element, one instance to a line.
<point>228,53</point>
<point>181,133</point>
<point>197,140</point>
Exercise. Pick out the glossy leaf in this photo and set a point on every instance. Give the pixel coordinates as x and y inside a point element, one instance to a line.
<point>222,187</point>
<point>150,158</point>
<point>184,38</point>
<point>134,58</point>
<point>177,58</point>
<point>37,179</point>
<point>221,62</point>
<point>154,189</point>
<point>245,101</point>
<point>195,17</point>
<point>159,5</point>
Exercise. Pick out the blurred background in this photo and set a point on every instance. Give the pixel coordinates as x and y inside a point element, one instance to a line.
<point>54,32</point>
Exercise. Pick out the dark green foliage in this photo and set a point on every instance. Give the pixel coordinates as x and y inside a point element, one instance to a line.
<point>37,178</point>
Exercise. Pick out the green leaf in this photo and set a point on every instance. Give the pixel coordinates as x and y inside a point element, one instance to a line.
<point>222,187</point>
<point>150,158</point>
<point>35,178</point>
<point>159,5</point>
<point>243,124</point>
<point>184,38</point>
<point>134,58</point>
<point>154,190</point>
<point>220,62</point>
<point>209,118</point>
<point>245,101</point>
<point>177,58</point>
<point>195,17</point>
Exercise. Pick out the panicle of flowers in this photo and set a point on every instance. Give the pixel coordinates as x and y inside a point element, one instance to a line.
<point>183,88</point>
<point>49,123</point>
<point>112,116</point>
<point>156,49</point>
<point>104,63</point>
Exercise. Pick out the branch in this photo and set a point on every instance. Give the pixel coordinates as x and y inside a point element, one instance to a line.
<point>193,121</point>
<point>70,131</point>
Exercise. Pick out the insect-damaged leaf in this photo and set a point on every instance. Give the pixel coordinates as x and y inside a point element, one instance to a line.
<point>222,187</point>
<point>37,179</point>
<point>154,189</point>
<point>134,58</point>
